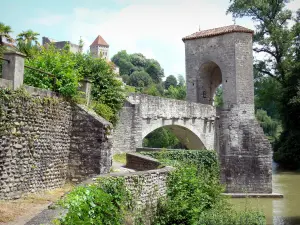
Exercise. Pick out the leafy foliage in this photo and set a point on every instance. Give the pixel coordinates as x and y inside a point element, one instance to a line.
<point>162,138</point>
<point>68,69</point>
<point>218,98</point>
<point>170,81</point>
<point>5,31</point>
<point>194,194</point>
<point>130,63</point>
<point>273,36</point>
<point>271,127</point>
<point>190,192</point>
<point>224,215</point>
<point>277,36</point>
<point>58,63</point>
<point>287,150</point>
<point>202,158</point>
<point>103,110</point>
<point>139,79</point>
<point>102,203</point>
<point>267,95</point>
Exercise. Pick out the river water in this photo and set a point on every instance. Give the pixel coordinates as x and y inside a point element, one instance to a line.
<point>284,211</point>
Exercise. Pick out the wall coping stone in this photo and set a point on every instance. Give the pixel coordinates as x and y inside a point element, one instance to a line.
<point>95,115</point>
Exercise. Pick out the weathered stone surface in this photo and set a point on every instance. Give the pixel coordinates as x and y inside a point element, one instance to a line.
<point>90,149</point>
<point>192,123</point>
<point>141,162</point>
<point>44,143</point>
<point>244,152</point>
<point>146,186</point>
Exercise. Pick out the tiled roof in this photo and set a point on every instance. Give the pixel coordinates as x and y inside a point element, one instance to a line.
<point>218,31</point>
<point>99,41</point>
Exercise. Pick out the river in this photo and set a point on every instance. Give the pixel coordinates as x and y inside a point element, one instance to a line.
<point>284,211</point>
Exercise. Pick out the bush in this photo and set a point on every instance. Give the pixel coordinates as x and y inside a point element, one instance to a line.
<point>194,192</point>
<point>58,63</point>
<point>190,192</point>
<point>221,216</point>
<point>103,110</point>
<point>202,158</point>
<point>104,202</point>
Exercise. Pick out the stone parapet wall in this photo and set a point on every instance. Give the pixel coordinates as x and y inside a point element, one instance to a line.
<point>146,187</point>
<point>157,107</point>
<point>141,162</point>
<point>40,138</point>
<point>192,123</point>
<point>90,149</point>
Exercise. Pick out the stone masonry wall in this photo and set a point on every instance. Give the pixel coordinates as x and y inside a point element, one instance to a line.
<point>192,123</point>
<point>141,162</point>
<point>146,186</point>
<point>244,153</point>
<point>40,137</point>
<point>34,142</point>
<point>90,149</point>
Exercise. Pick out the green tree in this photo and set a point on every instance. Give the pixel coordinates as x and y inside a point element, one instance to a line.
<point>181,80</point>
<point>155,71</point>
<point>122,60</point>
<point>152,90</point>
<point>279,42</point>
<point>140,79</point>
<point>218,98</point>
<point>28,42</point>
<point>178,92</point>
<point>287,149</point>
<point>5,32</point>
<point>162,138</point>
<point>273,36</point>
<point>28,36</point>
<point>138,60</point>
<point>107,91</point>
<point>58,63</point>
<point>80,44</point>
<point>270,126</point>
<point>267,92</point>
<point>170,80</point>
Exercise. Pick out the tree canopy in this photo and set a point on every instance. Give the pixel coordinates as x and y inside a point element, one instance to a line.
<point>277,72</point>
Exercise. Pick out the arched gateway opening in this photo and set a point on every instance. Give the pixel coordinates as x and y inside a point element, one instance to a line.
<point>208,81</point>
<point>172,136</point>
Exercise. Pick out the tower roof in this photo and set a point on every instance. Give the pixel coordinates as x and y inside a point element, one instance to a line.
<point>218,31</point>
<point>99,41</point>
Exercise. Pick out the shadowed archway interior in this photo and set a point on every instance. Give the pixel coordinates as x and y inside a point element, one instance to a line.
<point>186,137</point>
<point>209,79</point>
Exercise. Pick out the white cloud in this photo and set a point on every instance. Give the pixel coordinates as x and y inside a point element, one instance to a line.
<point>158,25</point>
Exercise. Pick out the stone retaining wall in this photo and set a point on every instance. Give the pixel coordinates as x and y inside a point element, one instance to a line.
<point>45,141</point>
<point>146,186</point>
<point>141,162</point>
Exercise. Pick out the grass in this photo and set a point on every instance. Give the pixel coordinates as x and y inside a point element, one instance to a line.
<point>11,209</point>
<point>121,158</point>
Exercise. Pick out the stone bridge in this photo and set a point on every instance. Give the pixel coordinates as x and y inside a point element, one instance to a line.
<point>220,56</point>
<point>192,123</point>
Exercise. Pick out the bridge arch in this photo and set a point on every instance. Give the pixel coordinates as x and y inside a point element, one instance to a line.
<point>187,136</point>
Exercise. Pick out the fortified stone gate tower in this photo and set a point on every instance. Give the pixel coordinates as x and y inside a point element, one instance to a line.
<point>224,56</point>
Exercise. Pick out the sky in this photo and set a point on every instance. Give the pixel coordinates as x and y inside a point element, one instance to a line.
<point>154,28</point>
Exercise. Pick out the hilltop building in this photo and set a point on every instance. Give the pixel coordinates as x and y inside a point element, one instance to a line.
<point>61,44</point>
<point>99,48</point>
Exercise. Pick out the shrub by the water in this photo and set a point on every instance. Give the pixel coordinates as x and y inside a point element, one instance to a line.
<point>102,203</point>
<point>194,196</point>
